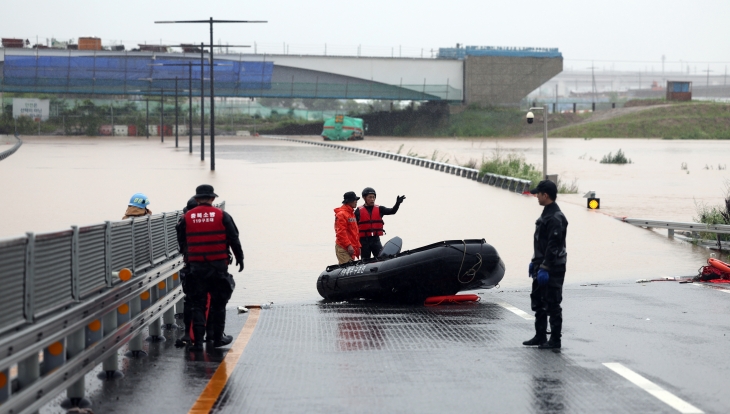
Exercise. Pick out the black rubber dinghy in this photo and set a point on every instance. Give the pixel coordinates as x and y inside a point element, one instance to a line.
<point>438,269</point>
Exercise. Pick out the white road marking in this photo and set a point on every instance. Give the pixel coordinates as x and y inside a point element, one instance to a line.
<point>660,393</point>
<point>517,311</point>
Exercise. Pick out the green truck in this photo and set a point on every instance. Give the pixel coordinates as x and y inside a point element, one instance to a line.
<point>343,128</point>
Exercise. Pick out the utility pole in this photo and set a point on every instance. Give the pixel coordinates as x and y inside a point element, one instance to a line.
<point>593,86</point>
<point>190,105</point>
<point>202,104</point>
<point>176,112</point>
<point>210,21</point>
<point>707,87</point>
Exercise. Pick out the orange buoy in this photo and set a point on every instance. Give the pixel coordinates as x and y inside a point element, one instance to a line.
<point>719,265</point>
<point>440,300</point>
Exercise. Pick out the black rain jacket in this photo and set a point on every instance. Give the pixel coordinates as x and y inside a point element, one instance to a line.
<point>551,230</point>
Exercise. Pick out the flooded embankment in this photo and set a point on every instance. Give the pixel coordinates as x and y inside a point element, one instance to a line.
<point>282,194</point>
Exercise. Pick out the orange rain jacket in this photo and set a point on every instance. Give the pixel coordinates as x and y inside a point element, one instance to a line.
<point>346,230</point>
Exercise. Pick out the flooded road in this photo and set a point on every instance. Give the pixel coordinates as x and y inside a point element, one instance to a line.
<point>282,197</point>
<point>654,186</point>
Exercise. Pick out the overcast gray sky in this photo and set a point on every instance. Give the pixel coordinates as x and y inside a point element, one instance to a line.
<point>629,33</point>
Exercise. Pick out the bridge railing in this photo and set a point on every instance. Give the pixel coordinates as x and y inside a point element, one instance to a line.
<point>677,225</point>
<point>76,296</point>
<point>11,150</point>
<point>517,185</point>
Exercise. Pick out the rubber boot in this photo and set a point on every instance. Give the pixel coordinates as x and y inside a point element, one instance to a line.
<point>536,340</point>
<point>553,343</point>
<point>556,327</point>
<point>198,333</point>
<point>225,340</point>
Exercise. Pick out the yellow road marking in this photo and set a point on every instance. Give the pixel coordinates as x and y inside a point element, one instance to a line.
<point>215,386</point>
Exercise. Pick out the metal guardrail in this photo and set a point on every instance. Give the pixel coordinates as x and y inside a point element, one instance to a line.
<point>11,151</point>
<point>517,185</point>
<point>673,226</point>
<point>64,297</point>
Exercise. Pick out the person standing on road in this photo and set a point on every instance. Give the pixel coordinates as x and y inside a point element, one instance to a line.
<point>206,234</point>
<point>370,222</point>
<point>547,268</point>
<point>347,242</point>
<point>187,338</point>
<point>137,207</point>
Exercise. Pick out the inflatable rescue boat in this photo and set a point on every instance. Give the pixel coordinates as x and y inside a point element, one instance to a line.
<point>438,269</point>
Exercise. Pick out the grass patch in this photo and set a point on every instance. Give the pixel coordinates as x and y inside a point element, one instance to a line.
<point>511,165</point>
<point>714,215</point>
<point>678,121</point>
<point>618,158</point>
<point>568,188</point>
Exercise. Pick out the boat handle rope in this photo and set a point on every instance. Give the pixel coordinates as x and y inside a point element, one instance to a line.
<point>474,269</point>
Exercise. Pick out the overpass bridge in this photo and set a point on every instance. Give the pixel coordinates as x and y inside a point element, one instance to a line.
<point>481,75</point>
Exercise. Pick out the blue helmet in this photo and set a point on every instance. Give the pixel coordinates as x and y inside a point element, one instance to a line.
<point>139,200</point>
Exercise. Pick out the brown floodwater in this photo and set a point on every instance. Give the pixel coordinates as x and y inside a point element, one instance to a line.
<point>654,185</point>
<point>282,197</point>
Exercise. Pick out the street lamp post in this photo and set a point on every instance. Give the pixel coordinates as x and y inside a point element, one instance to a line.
<point>176,114</point>
<point>147,125</point>
<point>162,116</point>
<point>202,104</point>
<point>210,21</point>
<point>530,118</point>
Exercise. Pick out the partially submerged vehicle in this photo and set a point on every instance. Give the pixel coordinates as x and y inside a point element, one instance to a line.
<point>343,128</point>
<point>442,268</point>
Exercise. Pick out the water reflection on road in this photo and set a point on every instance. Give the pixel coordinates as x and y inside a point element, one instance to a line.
<point>282,196</point>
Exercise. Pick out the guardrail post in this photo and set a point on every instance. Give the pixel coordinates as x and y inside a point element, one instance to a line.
<point>108,253</point>
<point>110,366</point>
<point>150,241</point>
<point>4,385</point>
<point>145,300</point>
<point>164,231</point>
<point>93,333</point>
<point>29,276</point>
<point>155,328</point>
<point>54,355</point>
<point>670,233</point>
<point>168,318</point>
<point>75,264</point>
<point>29,371</point>
<point>123,314</point>
<point>136,343</point>
<point>75,344</point>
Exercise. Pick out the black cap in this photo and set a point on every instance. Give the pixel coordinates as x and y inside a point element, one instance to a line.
<point>349,197</point>
<point>546,186</point>
<point>205,191</point>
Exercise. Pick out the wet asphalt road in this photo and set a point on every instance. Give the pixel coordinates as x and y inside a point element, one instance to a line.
<point>365,357</point>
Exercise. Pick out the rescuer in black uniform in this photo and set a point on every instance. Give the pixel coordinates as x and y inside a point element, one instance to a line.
<point>206,234</point>
<point>547,268</point>
<point>187,315</point>
<point>370,222</point>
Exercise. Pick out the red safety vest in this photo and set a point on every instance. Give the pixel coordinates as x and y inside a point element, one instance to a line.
<point>205,234</point>
<point>370,226</point>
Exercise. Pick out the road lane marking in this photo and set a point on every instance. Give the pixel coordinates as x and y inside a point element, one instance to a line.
<point>215,386</point>
<point>660,393</point>
<point>517,311</point>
